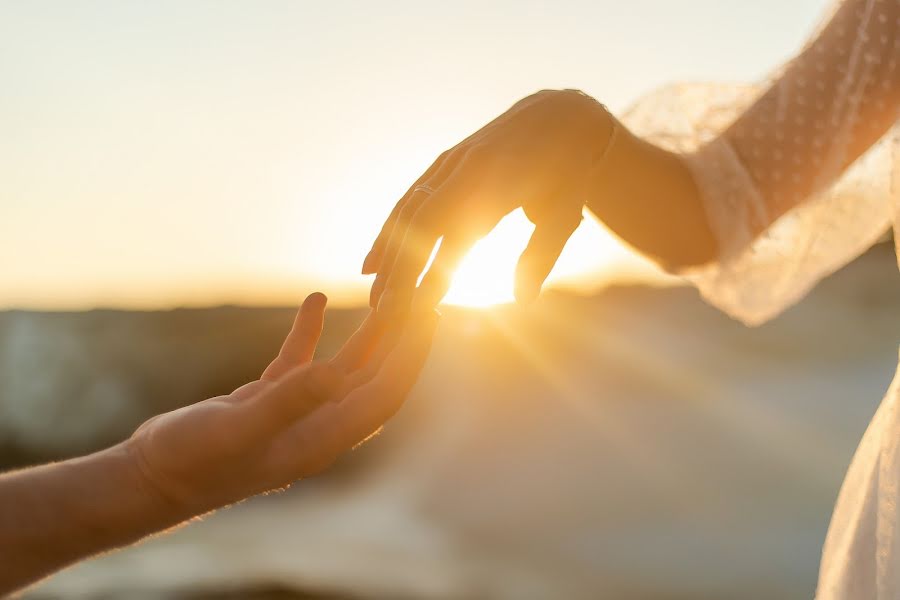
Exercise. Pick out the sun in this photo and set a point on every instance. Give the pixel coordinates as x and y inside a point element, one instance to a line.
<point>486,276</point>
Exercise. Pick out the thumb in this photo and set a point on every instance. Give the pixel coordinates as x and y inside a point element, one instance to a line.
<point>540,255</point>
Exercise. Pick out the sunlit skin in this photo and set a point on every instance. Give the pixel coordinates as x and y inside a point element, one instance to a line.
<point>557,152</point>
<point>551,154</point>
<point>485,276</point>
<point>292,422</point>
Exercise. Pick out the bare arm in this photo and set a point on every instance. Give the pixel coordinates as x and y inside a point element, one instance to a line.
<point>648,197</point>
<point>53,515</point>
<point>291,423</point>
<point>554,152</point>
<point>839,96</point>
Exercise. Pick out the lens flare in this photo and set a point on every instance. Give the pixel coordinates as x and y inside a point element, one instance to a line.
<point>486,276</point>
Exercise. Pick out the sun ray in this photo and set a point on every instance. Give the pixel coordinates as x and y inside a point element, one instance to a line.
<point>486,276</point>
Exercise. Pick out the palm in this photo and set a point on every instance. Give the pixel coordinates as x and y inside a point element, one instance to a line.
<point>292,422</point>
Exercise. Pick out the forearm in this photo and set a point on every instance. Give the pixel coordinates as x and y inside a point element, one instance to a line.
<point>647,196</point>
<point>56,514</point>
<point>830,104</point>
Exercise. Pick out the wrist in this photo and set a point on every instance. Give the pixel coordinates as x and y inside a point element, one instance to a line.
<point>600,124</point>
<point>150,497</point>
<point>647,196</point>
<point>102,501</point>
<point>55,514</point>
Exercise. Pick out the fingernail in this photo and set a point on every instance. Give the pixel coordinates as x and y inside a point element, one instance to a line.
<point>367,266</point>
<point>317,297</point>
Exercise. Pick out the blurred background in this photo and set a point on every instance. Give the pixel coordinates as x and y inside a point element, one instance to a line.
<point>176,176</point>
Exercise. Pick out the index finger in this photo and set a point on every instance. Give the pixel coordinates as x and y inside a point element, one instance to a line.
<point>374,258</point>
<point>357,350</point>
<point>426,225</point>
<point>362,412</point>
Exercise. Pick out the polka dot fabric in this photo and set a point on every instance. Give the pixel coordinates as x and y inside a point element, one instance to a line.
<point>799,175</point>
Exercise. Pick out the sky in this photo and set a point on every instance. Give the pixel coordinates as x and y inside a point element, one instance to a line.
<point>207,152</point>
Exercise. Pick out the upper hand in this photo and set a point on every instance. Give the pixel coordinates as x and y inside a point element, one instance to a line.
<point>292,422</point>
<point>537,155</point>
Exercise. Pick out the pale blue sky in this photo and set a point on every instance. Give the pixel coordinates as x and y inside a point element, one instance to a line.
<point>200,152</point>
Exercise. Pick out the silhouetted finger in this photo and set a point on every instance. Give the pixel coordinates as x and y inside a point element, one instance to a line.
<point>360,346</point>
<point>300,344</point>
<point>398,234</point>
<point>375,257</point>
<point>364,410</point>
<point>445,210</point>
<point>392,330</point>
<point>546,244</point>
<point>312,444</point>
<point>437,279</point>
<point>420,194</point>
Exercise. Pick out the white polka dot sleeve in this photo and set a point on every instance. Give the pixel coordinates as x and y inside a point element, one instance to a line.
<point>796,175</point>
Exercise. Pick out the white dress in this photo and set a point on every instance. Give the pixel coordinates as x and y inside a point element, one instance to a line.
<point>799,176</point>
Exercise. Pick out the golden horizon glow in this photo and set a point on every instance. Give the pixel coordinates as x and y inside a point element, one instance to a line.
<point>253,157</point>
<point>486,276</point>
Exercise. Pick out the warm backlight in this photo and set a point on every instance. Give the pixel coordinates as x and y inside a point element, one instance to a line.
<point>486,275</point>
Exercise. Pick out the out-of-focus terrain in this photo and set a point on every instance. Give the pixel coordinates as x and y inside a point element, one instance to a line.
<point>632,444</point>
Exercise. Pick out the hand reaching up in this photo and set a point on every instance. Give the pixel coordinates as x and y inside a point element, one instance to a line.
<point>292,422</point>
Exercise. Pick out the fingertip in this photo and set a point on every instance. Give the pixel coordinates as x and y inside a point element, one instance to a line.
<point>368,266</point>
<point>315,299</point>
<point>431,291</point>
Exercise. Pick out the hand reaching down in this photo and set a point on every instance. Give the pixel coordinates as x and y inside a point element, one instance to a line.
<point>537,155</point>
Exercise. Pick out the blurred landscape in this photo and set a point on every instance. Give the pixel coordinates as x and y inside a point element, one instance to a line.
<point>632,444</point>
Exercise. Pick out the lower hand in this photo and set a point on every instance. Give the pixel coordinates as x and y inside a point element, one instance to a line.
<point>292,422</point>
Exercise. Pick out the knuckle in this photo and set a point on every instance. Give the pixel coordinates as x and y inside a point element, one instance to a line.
<point>408,211</point>
<point>481,153</point>
<point>395,213</point>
